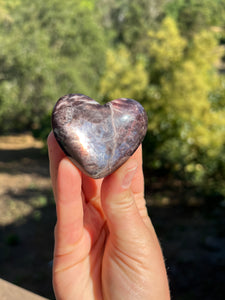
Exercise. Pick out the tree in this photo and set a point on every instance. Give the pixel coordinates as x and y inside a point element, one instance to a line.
<point>122,77</point>
<point>129,21</point>
<point>48,49</point>
<point>187,133</point>
<point>193,16</point>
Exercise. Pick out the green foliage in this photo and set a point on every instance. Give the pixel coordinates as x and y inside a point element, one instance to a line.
<point>195,15</point>
<point>129,21</point>
<point>164,54</point>
<point>44,54</point>
<point>123,78</point>
<point>166,47</point>
<point>187,132</point>
<point>217,96</point>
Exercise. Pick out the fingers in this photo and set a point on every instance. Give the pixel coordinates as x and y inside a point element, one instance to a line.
<point>55,156</point>
<point>69,228</point>
<point>132,234</point>
<point>118,202</point>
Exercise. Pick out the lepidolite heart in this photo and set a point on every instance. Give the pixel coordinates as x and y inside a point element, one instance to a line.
<point>98,138</point>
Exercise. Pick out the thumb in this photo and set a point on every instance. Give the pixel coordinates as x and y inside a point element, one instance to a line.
<point>118,203</point>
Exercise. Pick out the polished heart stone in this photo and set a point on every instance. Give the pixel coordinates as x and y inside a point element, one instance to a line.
<point>98,138</point>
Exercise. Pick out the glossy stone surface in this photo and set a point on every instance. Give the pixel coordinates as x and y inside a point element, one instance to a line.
<point>98,138</point>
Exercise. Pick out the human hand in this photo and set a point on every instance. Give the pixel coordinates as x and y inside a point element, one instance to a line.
<point>105,244</point>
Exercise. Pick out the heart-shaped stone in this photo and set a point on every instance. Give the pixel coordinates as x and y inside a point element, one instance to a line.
<point>98,138</point>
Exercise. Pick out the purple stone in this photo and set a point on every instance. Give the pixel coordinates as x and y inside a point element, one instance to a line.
<point>98,138</point>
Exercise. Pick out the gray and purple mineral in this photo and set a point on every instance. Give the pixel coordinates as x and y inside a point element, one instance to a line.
<point>98,139</point>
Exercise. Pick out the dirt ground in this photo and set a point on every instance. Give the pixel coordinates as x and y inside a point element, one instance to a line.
<point>192,237</point>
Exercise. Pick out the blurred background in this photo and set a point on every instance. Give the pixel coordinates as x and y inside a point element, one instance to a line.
<point>167,54</point>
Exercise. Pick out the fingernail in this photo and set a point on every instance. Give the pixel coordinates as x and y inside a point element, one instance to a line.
<point>129,175</point>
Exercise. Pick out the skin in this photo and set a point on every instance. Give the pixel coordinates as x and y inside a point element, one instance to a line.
<point>105,244</point>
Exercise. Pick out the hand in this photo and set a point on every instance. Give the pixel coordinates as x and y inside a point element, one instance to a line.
<point>105,244</point>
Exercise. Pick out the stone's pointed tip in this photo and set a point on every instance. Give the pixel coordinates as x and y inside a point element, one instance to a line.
<point>98,138</point>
